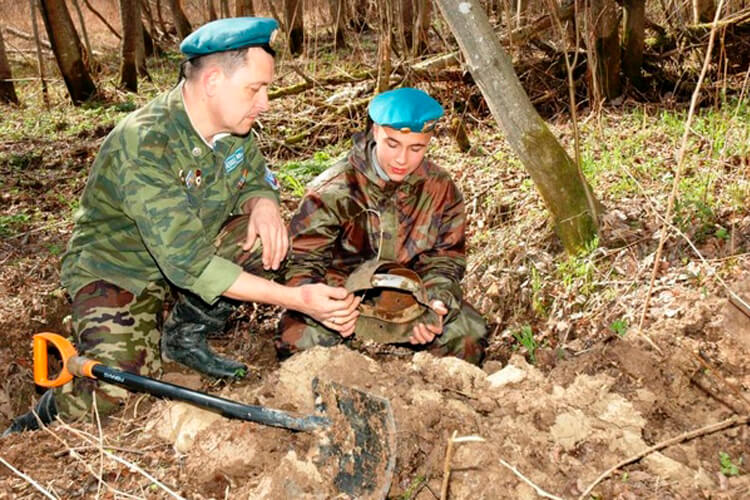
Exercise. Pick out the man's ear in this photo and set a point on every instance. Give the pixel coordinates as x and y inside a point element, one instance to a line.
<point>211,79</point>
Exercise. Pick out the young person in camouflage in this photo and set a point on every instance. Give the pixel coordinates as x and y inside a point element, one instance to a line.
<point>166,181</point>
<point>386,200</point>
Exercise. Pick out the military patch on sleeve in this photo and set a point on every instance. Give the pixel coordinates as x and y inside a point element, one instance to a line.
<point>272,180</point>
<point>234,159</point>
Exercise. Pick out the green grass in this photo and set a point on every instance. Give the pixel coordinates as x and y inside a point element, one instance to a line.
<point>525,337</point>
<point>11,224</point>
<point>294,175</point>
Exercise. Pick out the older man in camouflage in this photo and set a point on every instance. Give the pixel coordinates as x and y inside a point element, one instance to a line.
<point>180,197</point>
<point>387,201</point>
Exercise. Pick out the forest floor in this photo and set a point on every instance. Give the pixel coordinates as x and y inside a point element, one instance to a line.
<point>570,386</point>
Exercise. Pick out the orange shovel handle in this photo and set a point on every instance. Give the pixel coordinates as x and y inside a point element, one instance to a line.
<point>72,363</point>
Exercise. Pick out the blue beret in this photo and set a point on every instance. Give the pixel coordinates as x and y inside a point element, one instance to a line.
<point>229,34</point>
<point>405,109</point>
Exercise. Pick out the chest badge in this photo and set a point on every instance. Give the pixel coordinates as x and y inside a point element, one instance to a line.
<point>243,178</point>
<point>272,180</point>
<point>193,178</point>
<point>234,160</point>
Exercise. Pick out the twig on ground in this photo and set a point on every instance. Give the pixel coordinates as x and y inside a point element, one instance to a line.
<point>28,480</point>
<point>449,455</point>
<point>100,442</point>
<point>447,468</point>
<point>678,173</point>
<point>709,429</point>
<point>716,374</point>
<point>78,457</point>
<point>122,461</point>
<point>539,491</point>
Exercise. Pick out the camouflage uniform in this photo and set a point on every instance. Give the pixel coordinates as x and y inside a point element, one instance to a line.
<point>149,218</point>
<point>350,215</point>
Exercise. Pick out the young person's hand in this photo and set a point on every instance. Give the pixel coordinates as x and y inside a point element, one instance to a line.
<point>425,333</point>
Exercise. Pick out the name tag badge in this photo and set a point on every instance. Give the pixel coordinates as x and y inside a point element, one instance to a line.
<point>272,180</point>
<point>234,160</point>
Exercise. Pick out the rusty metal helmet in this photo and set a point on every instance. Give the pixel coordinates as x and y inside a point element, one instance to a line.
<point>394,299</point>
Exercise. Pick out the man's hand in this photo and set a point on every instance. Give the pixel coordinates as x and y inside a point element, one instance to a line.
<point>424,334</point>
<point>334,307</point>
<point>265,221</point>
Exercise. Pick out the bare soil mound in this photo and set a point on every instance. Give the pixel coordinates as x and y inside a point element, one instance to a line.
<point>559,429</point>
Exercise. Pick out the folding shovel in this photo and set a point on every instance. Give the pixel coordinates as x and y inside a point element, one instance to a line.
<point>359,447</point>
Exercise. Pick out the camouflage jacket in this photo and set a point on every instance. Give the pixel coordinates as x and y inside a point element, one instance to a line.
<point>349,214</point>
<point>156,198</point>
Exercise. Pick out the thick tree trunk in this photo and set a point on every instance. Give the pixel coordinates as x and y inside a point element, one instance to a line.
<point>7,89</point>
<point>244,8</point>
<point>181,23</point>
<point>295,25</point>
<point>605,36</point>
<point>131,21</point>
<point>560,182</point>
<point>67,48</point>
<point>339,15</point>
<point>633,39</point>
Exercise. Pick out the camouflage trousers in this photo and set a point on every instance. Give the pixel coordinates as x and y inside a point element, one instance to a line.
<point>121,330</point>
<point>463,337</point>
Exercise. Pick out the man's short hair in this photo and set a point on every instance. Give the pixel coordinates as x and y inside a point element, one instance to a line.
<point>229,60</point>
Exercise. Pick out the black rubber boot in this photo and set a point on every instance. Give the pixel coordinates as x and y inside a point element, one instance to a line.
<point>184,338</point>
<point>45,409</point>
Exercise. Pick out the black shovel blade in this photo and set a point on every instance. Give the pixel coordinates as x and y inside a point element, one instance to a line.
<point>359,447</point>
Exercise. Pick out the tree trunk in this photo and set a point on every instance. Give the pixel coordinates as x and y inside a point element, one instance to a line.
<point>67,48</point>
<point>560,182</point>
<point>210,11</point>
<point>605,35</point>
<point>358,18</point>
<point>703,11</point>
<point>131,20</point>
<point>33,6</point>
<point>89,55</point>
<point>633,39</point>
<point>7,89</point>
<point>244,8</point>
<point>295,25</point>
<point>423,20</point>
<point>160,18</point>
<point>181,23</point>
<point>385,15</point>
<point>224,8</point>
<point>338,11</point>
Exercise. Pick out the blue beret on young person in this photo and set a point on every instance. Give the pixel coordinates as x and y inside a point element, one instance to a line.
<point>405,109</point>
<point>229,34</point>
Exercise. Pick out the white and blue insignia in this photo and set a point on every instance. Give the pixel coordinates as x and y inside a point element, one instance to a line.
<point>234,160</point>
<point>272,180</point>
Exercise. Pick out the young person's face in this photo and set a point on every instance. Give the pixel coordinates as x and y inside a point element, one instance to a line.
<point>399,153</point>
<point>240,97</point>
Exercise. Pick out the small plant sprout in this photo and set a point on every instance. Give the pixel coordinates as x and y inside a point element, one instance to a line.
<point>619,327</point>
<point>525,337</point>
<point>728,467</point>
